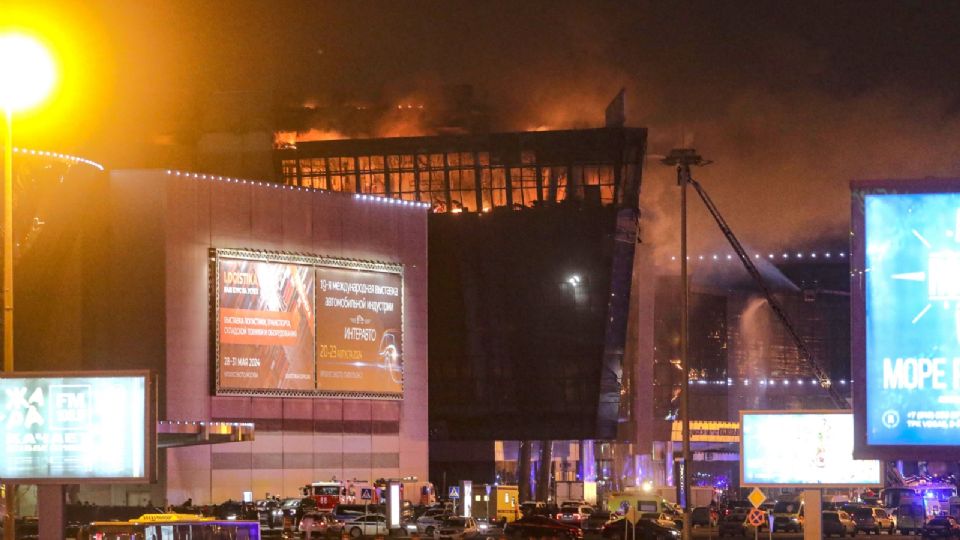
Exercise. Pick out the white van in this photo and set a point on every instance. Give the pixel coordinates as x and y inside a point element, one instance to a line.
<point>911,515</point>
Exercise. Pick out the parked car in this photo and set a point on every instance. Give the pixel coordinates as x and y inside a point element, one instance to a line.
<point>703,516</point>
<point>428,522</point>
<point>733,524</point>
<point>294,509</point>
<point>596,521</point>
<point>736,524</point>
<point>736,505</point>
<point>322,523</point>
<point>269,513</point>
<point>837,522</point>
<point>574,514</point>
<point>788,516</point>
<point>941,527</point>
<point>491,529</point>
<point>368,525</point>
<point>346,512</point>
<point>642,530</point>
<point>456,528</point>
<point>530,508</point>
<point>659,518</point>
<point>542,526</point>
<point>236,510</point>
<point>872,520</point>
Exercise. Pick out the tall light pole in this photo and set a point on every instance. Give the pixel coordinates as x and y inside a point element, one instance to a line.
<point>27,75</point>
<point>683,158</point>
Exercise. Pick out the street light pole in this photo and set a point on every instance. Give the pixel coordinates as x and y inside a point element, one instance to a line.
<point>8,245</point>
<point>9,489</point>
<point>683,158</point>
<point>28,76</point>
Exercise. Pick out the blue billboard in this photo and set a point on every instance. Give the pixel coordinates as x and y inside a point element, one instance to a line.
<point>910,286</point>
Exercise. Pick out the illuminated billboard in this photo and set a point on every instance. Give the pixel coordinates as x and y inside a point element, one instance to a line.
<point>358,331</point>
<point>304,325</point>
<point>265,325</point>
<point>906,318</point>
<point>75,427</point>
<point>799,449</point>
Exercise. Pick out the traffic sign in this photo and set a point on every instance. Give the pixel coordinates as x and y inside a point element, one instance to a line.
<point>454,492</point>
<point>755,517</point>
<point>756,497</point>
<point>366,494</point>
<point>632,515</point>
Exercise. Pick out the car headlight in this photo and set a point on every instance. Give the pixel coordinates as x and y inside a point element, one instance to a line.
<point>482,526</point>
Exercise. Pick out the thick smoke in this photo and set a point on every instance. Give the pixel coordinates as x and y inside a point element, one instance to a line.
<point>790,101</point>
<point>789,107</point>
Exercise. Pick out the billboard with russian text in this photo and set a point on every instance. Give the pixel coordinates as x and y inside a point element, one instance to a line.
<point>307,325</point>
<point>70,428</point>
<point>265,325</point>
<point>906,314</point>
<point>358,331</point>
<point>800,449</point>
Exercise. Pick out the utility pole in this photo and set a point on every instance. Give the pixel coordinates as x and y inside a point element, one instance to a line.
<point>682,159</point>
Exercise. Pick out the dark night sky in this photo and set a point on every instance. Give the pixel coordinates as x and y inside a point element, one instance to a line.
<point>790,99</point>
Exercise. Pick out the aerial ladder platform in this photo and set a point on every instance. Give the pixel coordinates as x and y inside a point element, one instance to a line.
<point>683,159</point>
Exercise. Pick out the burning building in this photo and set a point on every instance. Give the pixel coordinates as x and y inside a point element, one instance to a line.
<point>553,333</point>
<point>532,245</point>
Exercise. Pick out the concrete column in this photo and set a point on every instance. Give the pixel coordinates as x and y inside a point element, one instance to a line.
<point>545,472</point>
<point>51,509</point>
<point>812,522</point>
<point>523,472</point>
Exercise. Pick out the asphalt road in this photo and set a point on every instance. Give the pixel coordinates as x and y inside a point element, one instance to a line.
<point>704,534</point>
<point>699,534</point>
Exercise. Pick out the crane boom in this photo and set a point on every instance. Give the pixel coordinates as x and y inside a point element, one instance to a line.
<point>683,159</point>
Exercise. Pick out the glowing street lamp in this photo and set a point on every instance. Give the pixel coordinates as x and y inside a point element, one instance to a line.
<point>27,75</point>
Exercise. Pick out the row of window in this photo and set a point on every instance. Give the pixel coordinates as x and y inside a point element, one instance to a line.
<point>455,182</point>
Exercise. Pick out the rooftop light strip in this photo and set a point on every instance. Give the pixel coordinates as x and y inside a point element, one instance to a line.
<point>57,155</point>
<point>275,185</point>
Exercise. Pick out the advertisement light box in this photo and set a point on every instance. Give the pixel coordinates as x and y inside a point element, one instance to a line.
<point>305,325</point>
<point>799,449</point>
<point>74,427</point>
<point>906,319</point>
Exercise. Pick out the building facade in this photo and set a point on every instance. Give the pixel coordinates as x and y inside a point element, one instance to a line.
<point>137,285</point>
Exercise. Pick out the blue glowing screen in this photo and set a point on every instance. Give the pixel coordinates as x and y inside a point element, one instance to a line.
<point>912,277</point>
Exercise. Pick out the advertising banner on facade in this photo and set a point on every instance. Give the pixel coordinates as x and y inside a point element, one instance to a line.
<point>800,449</point>
<point>265,325</point>
<point>906,307</point>
<point>358,331</point>
<point>73,428</point>
<point>302,325</point>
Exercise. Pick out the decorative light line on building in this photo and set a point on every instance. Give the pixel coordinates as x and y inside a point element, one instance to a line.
<point>262,183</point>
<point>58,155</point>
<point>782,256</point>
<point>764,381</point>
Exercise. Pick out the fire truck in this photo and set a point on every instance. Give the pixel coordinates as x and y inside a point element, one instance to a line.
<point>327,494</point>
